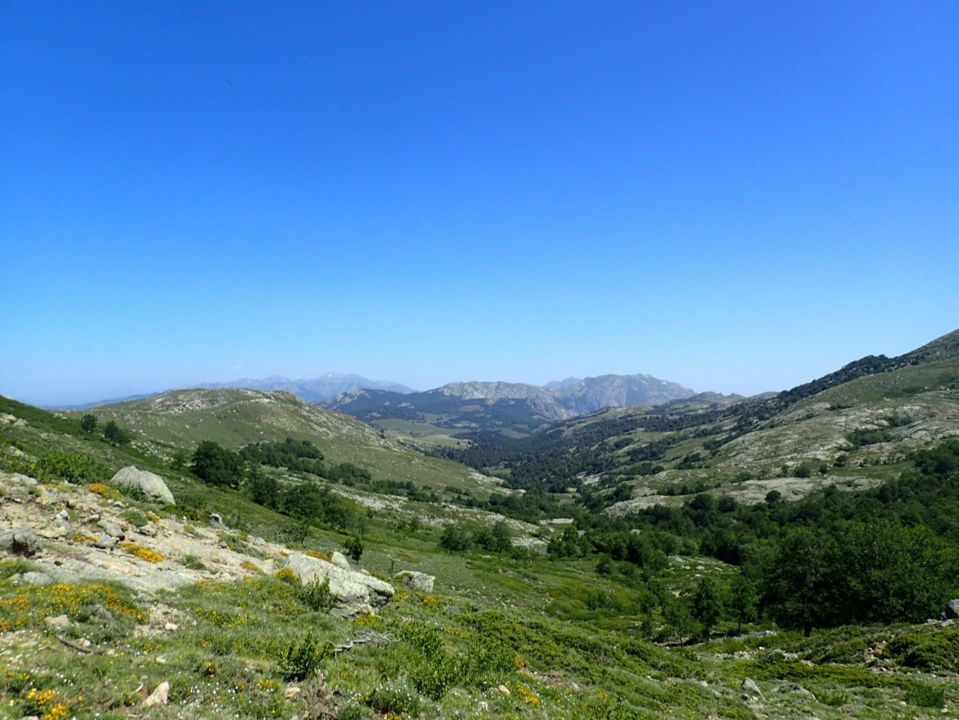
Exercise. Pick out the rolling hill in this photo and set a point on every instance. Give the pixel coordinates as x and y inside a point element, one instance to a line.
<point>234,417</point>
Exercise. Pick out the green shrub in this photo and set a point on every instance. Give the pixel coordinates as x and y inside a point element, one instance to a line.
<point>302,660</point>
<point>135,518</point>
<point>57,464</point>
<point>316,595</point>
<point>937,650</point>
<point>925,695</point>
<point>833,699</point>
<point>395,699</point>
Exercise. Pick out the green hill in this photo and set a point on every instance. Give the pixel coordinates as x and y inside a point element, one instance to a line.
<point>236,417</point>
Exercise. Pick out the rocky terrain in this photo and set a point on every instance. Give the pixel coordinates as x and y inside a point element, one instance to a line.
<point>76,534</point>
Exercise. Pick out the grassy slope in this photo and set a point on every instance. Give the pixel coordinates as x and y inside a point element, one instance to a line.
<point>233,418</point>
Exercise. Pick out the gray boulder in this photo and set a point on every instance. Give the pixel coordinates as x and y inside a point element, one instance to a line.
<point>148,482</point>
<point>20,541</point>
<point>952,609</point>
<point>416,580</point>
<point>36,578</point>
<point>111,529</point>
<point>355,593</point>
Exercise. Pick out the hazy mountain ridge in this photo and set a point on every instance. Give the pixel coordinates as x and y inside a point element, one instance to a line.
<point>313,389</point>
<point>502,406</point>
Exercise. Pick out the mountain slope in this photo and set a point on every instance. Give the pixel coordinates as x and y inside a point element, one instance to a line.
<point>852,427</point>
<point>236,417</point>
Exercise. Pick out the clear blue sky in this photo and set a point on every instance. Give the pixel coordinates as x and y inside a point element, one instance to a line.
<point>737,196</point>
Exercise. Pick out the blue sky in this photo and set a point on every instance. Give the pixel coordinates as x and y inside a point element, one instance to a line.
<point>737,196</point>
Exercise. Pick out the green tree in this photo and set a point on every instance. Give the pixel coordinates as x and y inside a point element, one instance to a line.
<point>454,539</point>
<point>264,489</point>
<point>180,459</point>
<point>796,587</point>
<point>497,538</point>
<point>742,599</point>
<point>306,501</point>
<point>115,434</point>
<point>707,604</point>
<point>354,548</point>
<point>88,423</point>
<point>215,465</point>
<point>677,614</point>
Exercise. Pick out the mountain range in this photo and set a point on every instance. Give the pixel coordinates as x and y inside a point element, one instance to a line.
<point>512,408</point>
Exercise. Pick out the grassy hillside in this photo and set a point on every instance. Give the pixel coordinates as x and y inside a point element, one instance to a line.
<point>236,417</point>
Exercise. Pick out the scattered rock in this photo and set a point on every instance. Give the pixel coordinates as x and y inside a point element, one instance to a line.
<point>216,518</point>
<point>339,559</point>
<point>60,621</point>
<point>416,580</point>
<point>158,696</point>
<point>20,542</point>
<point>150,483</point>
<point>291,692</point>
<point>504,690</point>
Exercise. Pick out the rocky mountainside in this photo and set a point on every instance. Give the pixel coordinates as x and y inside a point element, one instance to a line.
<point>571,397</point>
<point>848,428</point>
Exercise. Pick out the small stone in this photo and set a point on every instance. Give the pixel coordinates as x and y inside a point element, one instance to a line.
<point>339,559</point>
<point>107,542</point>
<point>148,530</point>
<point>60,621</point>
<point>170,626</point>
<point>504,690</point>
<point>158,696</point>
<point>291,692</point>
<point>160,660</point>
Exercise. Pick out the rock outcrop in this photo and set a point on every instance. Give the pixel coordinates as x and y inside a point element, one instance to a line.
<point>356,593</point>
<point>148,482</point>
